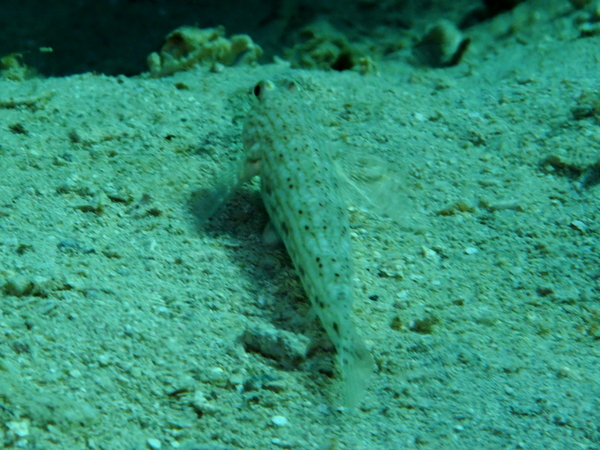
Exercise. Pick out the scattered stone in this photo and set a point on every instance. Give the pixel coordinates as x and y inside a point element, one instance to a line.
<point>424,326</point>
<point>390,269</point>
<point>18,285</point>
<point>19,428</point>
<point>280,421</point>
<point>202,406</point>
<point>396,324</point>
<point>589,29</point>
<point>287,348</point>
<point>429,253</point>
<point>257,382</point>
<point>154,444</point>
<point>216,376</point>
<point>508,205</point>
<point>456,208</point>
<point>276,386</point>
<point>579,225</point>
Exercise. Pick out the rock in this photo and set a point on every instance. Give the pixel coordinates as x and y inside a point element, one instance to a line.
<point>289,349</point>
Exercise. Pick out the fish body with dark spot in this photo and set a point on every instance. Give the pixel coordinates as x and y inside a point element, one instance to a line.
<point>286,146</point>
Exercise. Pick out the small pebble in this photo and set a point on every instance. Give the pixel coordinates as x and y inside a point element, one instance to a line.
<point>471,250</point>
<point>18,285</point>
<point>20,429</point>
<point>428,253</point>
<point>280,421</point>
<point>579,225</point>
<point>286,347</point>
<point>216,376</point>
<point>154,444</point>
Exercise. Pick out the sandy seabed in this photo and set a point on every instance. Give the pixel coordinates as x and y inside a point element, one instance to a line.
<point>478,291</point>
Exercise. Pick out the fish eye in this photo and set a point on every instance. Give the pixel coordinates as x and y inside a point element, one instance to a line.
<point>257,90</point>
<point>261,88</point>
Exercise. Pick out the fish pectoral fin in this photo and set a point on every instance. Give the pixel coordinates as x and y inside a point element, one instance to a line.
<point>357,367</point>
<point>372,184</point>
<point>270,236</point>
<point>210,200</point>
